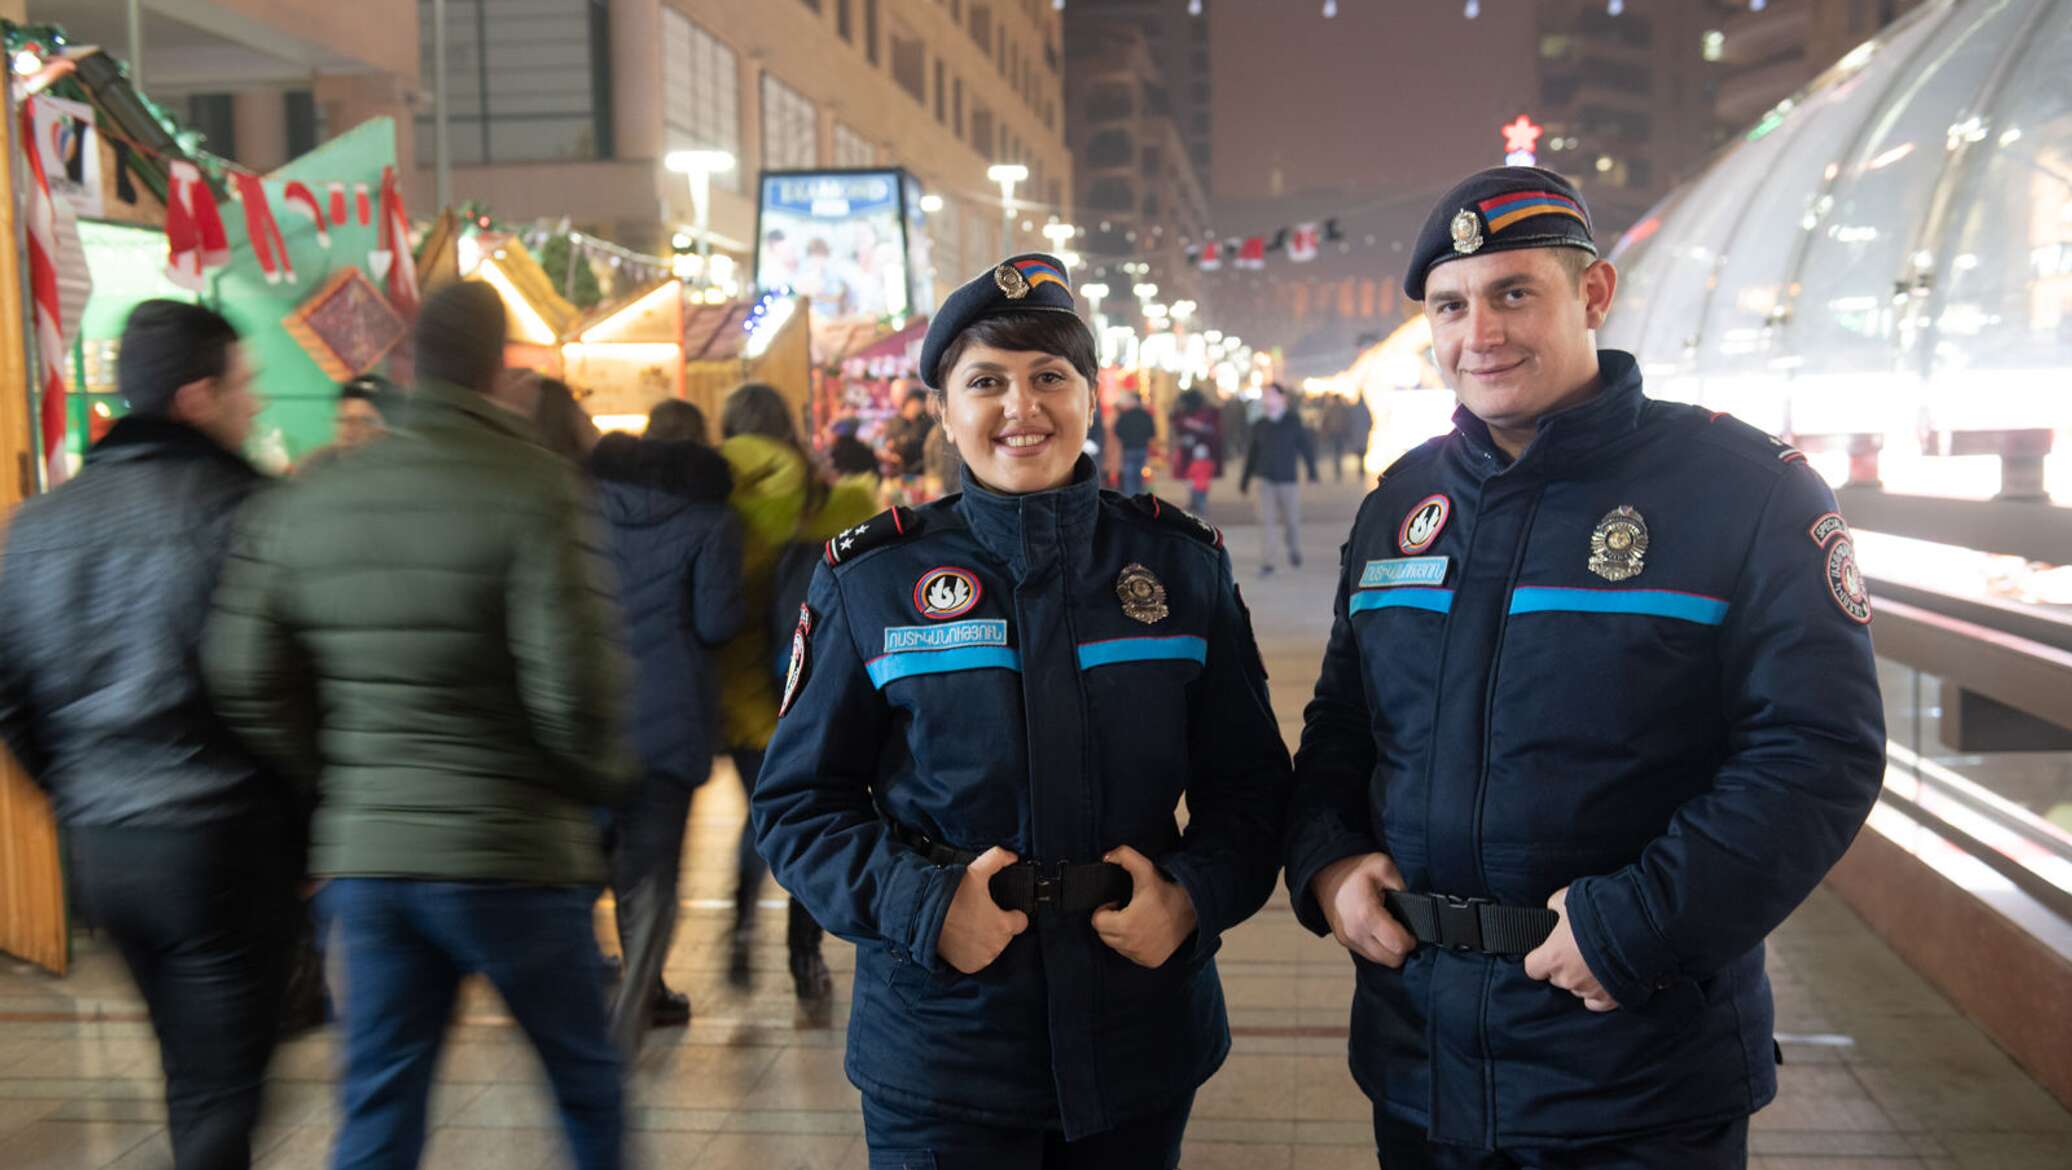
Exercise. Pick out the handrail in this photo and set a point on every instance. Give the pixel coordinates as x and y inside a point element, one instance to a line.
<point>2035,531</point>
<point>2029,676</point>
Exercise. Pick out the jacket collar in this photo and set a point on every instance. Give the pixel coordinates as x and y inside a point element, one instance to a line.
<point>437,405</point>
<point>1568,436</point>
<point>1031,532</point>
<point>138,437</point>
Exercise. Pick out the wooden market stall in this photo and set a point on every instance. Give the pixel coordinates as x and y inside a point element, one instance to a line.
<point>658,343</point>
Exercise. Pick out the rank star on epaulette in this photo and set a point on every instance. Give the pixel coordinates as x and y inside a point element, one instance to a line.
<point>851,543</point>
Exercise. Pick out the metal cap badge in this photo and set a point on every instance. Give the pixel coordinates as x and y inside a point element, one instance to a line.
<point>1011,281</point>
<point>1143,596</point>
<point>1467,232</point>
<point>1619,545</point>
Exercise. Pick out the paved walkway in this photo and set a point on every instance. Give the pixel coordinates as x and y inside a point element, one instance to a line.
<point>1880,1071</point>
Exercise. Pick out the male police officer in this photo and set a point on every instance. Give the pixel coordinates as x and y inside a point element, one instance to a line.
<point>1592,653</point>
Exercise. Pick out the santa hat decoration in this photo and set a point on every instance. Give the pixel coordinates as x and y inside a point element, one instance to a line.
<point>268,248</point>
<point>194,233</point>
<point>395,239</point>
<point>338,204</point>
<point>363,208</point>
<point>1211,256</point>
<point>300,198</point>
<point>1253,253</point>
<point>1302,245</point>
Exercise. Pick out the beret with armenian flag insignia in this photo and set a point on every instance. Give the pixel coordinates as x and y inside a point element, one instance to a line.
<point>1497,210</point>
<point>1030,282</point>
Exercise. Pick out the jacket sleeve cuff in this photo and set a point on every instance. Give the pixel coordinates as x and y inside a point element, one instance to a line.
<point>1617,940</point>
<point>1315,849</point>
<point>930,889</point>
<point>1209,920</point>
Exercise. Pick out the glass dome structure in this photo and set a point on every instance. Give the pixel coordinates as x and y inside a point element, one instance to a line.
<point>1885,259</point>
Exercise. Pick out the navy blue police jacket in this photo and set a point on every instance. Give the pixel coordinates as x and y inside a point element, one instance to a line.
<point>1687,749</point>
<point>969,671</point>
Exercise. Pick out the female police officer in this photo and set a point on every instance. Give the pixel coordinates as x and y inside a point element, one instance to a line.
<point>994,706</point>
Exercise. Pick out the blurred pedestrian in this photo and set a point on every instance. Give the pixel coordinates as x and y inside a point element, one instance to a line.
<point>183,845</point>
<point>365,407</point>
<point>943,469</point>
<point>674,419</point>
<point>677,551</point>
<point>1278,441</point>
<point>431,640</point>
<point>903,447</point>
<point>1357,431</point>
<point>1134,430</point>
<point>774,489</point>
<point>1201,475</point>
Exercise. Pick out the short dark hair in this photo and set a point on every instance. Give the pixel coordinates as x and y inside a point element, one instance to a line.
<point>167,345</point>
<point>675,419</point>
<point>851,456</point>
<point>1577,261</point>
<point>1062,334</point>
<point>460,335</point>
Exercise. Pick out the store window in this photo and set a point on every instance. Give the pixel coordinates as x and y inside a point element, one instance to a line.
<point>215,116</point>
<point>701,92</point>
<point>790,133</point>
<point>527,80</point>
<point>982,130</point>
<point>300,108</point>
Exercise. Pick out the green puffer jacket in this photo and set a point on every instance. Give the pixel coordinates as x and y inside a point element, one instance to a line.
<point>425,631</point>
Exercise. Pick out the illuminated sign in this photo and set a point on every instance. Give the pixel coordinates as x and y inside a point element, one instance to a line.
<point>1521,140</point>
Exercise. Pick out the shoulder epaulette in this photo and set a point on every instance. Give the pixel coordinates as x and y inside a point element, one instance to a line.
<point>1178,518</point>
<point>883,528</point>
<point>1724,430</point>
<point>1421,451</point>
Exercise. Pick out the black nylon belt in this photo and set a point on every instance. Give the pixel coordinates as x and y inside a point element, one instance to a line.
<point>1028,886</point>
<point>1472,924</point>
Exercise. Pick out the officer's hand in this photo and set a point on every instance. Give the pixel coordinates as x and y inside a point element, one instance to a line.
<point>1158,919</point>
<point>1560,962</point>
<point>976,929</point>
<point>1350,893</point>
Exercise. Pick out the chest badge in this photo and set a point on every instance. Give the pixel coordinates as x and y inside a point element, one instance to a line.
<point>1619,546</point>
<point>1421,528</point>
<point>1143,597</point>
<point>946,593</point>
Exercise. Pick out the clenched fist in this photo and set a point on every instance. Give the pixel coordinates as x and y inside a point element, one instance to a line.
<point>976,929</point>
<point>1350,893</point>
<point>1159,917</point>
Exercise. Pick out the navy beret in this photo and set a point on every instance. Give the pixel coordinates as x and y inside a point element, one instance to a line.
<point>1029,282</point>
<point>1495,211</point>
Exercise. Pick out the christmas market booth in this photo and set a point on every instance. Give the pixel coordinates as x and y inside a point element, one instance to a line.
<point>670,342</point>
<point>311,262</point>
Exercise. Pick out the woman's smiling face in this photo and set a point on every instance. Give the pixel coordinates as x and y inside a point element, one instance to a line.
<point>1019,418</point>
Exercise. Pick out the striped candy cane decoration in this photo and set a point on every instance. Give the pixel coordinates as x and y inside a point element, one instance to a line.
<point>43,288</point>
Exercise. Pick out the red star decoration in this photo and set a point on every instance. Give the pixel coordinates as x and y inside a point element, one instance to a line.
<point>1522,135</point>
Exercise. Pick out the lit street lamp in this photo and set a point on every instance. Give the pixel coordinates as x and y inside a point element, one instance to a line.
<point>1007,175</point>
<point>1094,291</point>
<point>701,165</point>
<point>1145,291</point>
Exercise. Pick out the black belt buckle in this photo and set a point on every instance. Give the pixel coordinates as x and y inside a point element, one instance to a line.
<point>1459,921</point>
<point>1050,890</point>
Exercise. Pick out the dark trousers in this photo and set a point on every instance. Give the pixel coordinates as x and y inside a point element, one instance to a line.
<point>403,948</point>
<point>647,863</point>
<point>202,916</point>
<point>1401,1145</point>
<point>801,934</point>
<point>906,1139</point>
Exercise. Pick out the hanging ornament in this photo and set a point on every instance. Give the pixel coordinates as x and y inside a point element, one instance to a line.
<point>300,198</point>
<point>337,191</point>
<point>363,208</point>
<point>268,248</point>
<point>195,239</point>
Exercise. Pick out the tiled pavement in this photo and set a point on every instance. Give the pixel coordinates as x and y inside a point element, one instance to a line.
<point>1880,1071</point>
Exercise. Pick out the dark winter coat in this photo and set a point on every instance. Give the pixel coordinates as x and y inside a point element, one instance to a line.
<point>104,591</point>
<point>427,631</point>
<point>677,548</point>
<point>1277,445</point>
<point>1135,428</point>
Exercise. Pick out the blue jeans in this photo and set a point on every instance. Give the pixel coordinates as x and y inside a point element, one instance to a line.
<point>404,946</point>
<point>1133,459</point>
<point>901,1138</point>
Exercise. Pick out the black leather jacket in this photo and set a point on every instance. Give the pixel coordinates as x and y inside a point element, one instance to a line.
<point>104,590</point>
